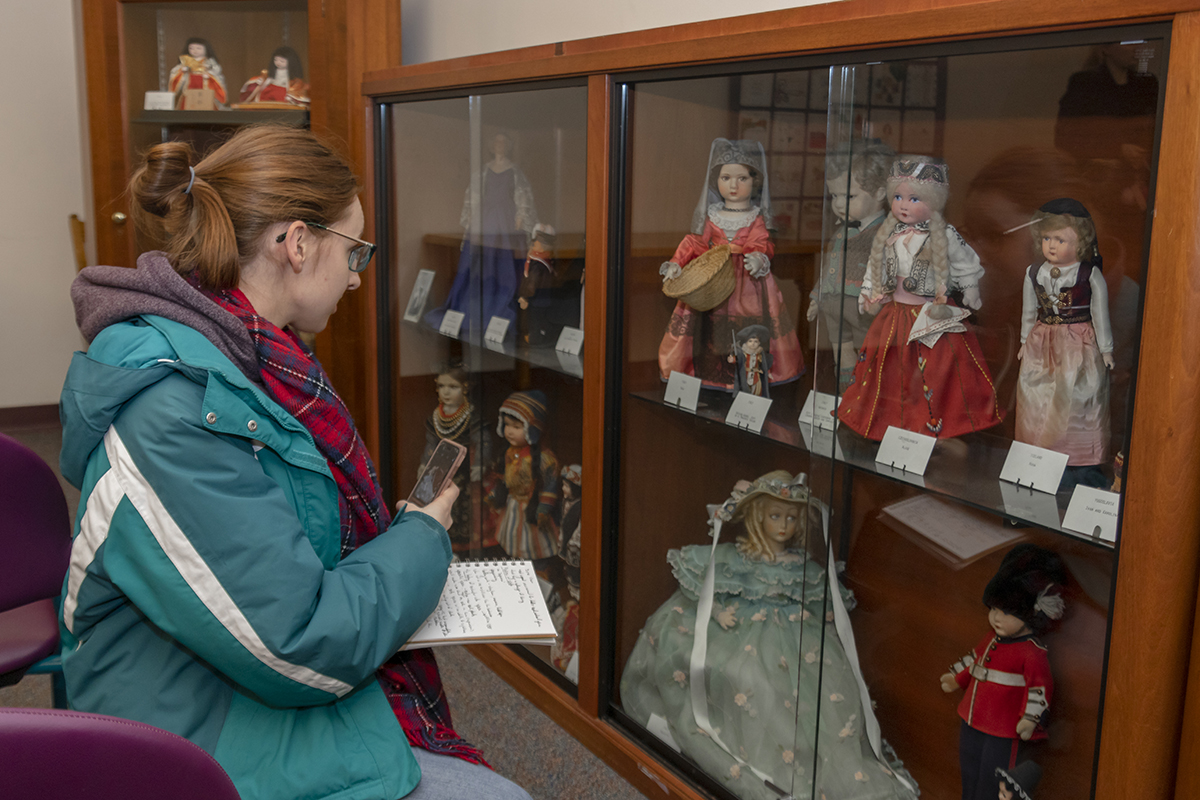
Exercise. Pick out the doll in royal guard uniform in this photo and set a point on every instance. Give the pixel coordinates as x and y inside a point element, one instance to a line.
<point>858,198</point>
<point>1066,344</point>
<point>920,367</point>
<point>1006,678</point>
<point>528,492</point>
<point>734,209</point>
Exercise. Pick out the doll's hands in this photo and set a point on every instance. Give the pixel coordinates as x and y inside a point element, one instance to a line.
<point>1021,353</point>
<point>523,303</point>
<point>1108,359</point>
<point>757,264</point>
<point>1025,729</point>
<point>948,682</point>
<point>670,271</point>
<point>439,508</point>
<point>811,314</point>
<point>971,298</point>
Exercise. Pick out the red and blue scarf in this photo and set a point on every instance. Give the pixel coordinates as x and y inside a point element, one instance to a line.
<point>294,379</point>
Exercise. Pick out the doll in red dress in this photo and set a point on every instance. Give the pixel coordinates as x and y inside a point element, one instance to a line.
<point>920,368</point>
<point>198,68</point>
<point>282,83</point>
<point>1006,678</point>
<point>734,209</point>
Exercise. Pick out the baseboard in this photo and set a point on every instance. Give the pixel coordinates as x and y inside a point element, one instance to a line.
<point>28,416</point>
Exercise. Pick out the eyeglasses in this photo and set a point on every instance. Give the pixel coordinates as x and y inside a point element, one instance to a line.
<point>360,256</point>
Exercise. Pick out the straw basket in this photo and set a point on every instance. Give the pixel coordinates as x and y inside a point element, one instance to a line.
<point>706,282</point>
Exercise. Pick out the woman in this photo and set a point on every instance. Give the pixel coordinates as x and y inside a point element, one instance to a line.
<point>236,576</point>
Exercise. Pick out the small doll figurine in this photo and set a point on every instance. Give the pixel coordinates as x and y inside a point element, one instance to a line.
<point>773,655</point>
<point>1019,782</point>
<point>752,361</point>
<point>197,70</point>
<point>546,296</point>
<point>564,651</point>
<point>283,82</point>
<point>498,218</point>
<point>920,367</point>
<point>1066,344</point>
<point>734,209</point>
<point>858,192</point>
<point>529,491</point>
<point>1007,677</point>
<point>456,419</point>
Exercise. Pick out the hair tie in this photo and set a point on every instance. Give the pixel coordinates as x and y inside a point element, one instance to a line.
<point>193,180</point>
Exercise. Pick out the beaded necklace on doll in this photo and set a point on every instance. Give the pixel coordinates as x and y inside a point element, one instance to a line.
<point>449,427</point>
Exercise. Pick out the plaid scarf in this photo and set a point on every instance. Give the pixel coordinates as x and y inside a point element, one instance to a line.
<point>295,380</point>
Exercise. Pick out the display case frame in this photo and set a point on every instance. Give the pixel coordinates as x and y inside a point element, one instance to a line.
<point>1159,557</point>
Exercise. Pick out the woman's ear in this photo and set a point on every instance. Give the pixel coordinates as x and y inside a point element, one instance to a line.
<point>298,243</point>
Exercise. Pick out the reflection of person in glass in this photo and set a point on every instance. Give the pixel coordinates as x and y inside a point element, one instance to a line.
<point>1066,343</point>
<point>1110,104</point>
<point>197,69</point>
<point>921,368</point>
<point>734,209</point>
<point>282,83</point>
<point>774,662</point>
<point>498,217</point>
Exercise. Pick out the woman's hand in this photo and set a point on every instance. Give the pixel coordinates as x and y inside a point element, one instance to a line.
<point>439,508</point>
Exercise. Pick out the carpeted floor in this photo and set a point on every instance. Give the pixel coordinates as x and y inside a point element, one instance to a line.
<point>521,742</point>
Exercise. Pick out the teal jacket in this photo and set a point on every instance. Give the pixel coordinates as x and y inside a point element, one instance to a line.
<point>205,593</point>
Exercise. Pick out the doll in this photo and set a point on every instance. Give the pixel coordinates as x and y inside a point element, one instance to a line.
<point>283,82</point>
<point>858,190</point>
<point>1066,343</point>
<point>548,291</point>
<point>498,218</point>
<point>1007,677</point>
<point>197,69</point>
<point>752,361</point>
<point>456,419</point>
<point>920,367</point>
<point>734,209</point>
<point>564,650</point>
<point>1019,782</point>
<point>774,662</point>
<point>528,493</point>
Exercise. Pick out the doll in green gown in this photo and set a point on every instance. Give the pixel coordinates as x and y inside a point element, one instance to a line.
<point>781,697</point>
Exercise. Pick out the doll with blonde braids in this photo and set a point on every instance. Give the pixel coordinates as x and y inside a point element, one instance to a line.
<point>920,367</point>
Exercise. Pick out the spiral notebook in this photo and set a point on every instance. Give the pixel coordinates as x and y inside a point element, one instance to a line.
<point>488,601</point>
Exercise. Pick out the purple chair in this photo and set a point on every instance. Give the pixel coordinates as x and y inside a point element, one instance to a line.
<point>35,548</point>
<point>59,753</point>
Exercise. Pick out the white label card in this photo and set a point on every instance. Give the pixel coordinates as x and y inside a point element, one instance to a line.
<point>452,323</point>
<point>905,450</point>
<point>682,391</point>
<point>820,409</point>
<point>822,441</point>
<point>1091,509</point>
<point>159,101</point>
<point>497,329</point>
<point>659,727</point>
<point>570,340</point>
<point>1029,505</point>
<point>748,411</point>
<point>420,293</point>
<point>1037,467</point>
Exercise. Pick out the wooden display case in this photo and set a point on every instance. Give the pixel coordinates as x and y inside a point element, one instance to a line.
<point>1135,725</point>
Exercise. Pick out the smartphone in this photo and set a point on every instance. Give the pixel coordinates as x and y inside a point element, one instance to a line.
<point>438,472</point>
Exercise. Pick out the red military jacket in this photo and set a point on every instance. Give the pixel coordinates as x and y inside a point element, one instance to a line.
<point>1005,680</point>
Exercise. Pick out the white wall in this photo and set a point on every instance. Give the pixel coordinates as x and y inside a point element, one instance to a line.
<point>41,183</point>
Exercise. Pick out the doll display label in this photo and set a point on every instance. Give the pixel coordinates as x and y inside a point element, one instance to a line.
<point>1029,505</point>
<point>905,450</point>
<point>570,340</point>
<point>820,410</point>
<point>1035,467</point>
<point>497,329</point>
<point>159,101</point>
<point>418,296</point>
<point>683,391</point>
<point>821,441</point>
<point>452,323</point>
<point>748,411</point>
<point>1093,512</point>
<point>659,727</point>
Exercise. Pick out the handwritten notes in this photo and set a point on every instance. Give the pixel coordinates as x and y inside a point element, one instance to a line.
<point>1035,467</point>
<point>452,324</point>
<point>488,601</point>
<point>682,391</point>
<point>748,411</point>
<point>905,450</point>
<point>1093,512</point>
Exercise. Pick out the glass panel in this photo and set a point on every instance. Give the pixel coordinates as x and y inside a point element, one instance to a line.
<point>486,267</point>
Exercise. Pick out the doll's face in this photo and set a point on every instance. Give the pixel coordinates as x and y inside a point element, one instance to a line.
<point>857,203</point>
<point>752,345</point>
<point>1061,247</point>
<point>450,392</point>
<point>1005,792</point>
<point>501,146</point>
<point>735,184</point>
<point>280,62</point>
<point>514,432</point>
<point>197,51</point>
<point>908,208</point>
<point>779,522</point>
<point>1006,625</point>
<point>567,491</point>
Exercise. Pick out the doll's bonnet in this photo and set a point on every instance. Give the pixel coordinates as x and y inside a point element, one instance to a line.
<point>1021,779</point>
<point>527,407</point>
<point>778,484</point>
<point>748,153</point>
<point>929,178</point>
<point>1028,586</point>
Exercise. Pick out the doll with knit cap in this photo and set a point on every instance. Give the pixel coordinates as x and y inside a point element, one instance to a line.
<point>920,367</point>
<point>528,493</point>
<point>1006,678</point>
